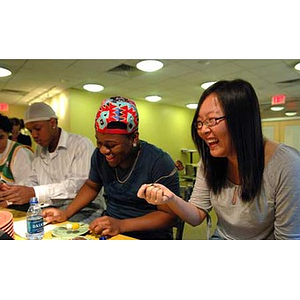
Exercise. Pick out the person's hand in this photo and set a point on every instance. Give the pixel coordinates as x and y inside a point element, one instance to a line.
<point>54,215</point>
<point>15,194</point>
<point>179,165</point>
<point>106,226</point>
<point>4,203</point>
<point>4,186</point>
<point>155,194</point>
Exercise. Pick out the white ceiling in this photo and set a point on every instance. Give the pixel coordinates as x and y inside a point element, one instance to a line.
<point>178,83</point>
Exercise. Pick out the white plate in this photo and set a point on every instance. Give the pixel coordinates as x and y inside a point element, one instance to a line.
<point>64,232</point>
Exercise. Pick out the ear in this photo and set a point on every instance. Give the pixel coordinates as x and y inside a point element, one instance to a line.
<point>53,123</point>
<point>135,138</point>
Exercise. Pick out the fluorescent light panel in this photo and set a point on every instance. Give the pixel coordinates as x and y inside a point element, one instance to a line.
<point>149,65</point>
<point>206,85</point>
<point>291,113</point>
<point>277,108</point>
<point>153,98</point>
<point>4,72</point>
<point>192,105</point>
<point>297,67</point>
<point>92,87</point>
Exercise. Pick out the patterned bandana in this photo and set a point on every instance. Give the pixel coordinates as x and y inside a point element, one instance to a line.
<point>117,115</point>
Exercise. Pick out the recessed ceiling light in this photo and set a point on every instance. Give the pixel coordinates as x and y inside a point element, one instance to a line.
<point>277,108</point>
<point>153,98</point>
<point>297,66</point>
<point>206,85</point>
<point>192,105</point>
<point>91,87</point>
<point>291,113</point>
<point>4,72</point>
<point>149,65</point>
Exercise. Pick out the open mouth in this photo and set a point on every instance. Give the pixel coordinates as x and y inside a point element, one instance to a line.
<point>212,143</point>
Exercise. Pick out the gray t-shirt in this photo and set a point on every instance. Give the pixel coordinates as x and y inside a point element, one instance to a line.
<point>274,214</point>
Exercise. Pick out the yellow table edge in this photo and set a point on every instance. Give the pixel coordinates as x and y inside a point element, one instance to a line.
<point>21,215</point>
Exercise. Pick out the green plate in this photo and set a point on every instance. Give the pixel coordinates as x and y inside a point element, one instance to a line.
<point>64,233</point>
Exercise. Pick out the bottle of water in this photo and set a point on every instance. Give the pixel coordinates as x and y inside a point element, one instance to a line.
<point>34,220</point>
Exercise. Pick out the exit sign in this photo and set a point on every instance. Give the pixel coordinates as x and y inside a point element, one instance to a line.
<point>278,99</point>
<point>4,107</point>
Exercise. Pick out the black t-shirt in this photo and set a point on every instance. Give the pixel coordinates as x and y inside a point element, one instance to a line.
<point>121,198</point>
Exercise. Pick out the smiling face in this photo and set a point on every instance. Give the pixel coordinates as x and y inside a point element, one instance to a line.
<point>117,148</point>
<point>216,137</point>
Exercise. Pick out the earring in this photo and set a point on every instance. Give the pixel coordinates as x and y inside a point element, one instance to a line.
<point>53,127</point>
<point>134,145</point>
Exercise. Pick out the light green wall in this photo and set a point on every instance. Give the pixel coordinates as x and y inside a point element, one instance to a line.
<point>15,111</point>
<point>83,109</point>
<point>168,127</point>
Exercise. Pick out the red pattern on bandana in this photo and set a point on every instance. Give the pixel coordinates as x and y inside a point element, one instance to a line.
<point>117,109</point>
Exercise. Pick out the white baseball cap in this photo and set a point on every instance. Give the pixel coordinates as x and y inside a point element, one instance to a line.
<point>39,111</point>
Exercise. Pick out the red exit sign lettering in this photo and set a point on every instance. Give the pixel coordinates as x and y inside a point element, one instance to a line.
<point>278,99</point>
<point>3,107</point>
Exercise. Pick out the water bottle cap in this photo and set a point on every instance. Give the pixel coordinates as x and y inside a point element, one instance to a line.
<point>33,200</point>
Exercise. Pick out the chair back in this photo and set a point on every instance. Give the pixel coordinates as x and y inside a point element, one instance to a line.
<point>178,227</point>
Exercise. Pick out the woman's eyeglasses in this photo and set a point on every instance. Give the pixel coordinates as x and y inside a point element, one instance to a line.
<point>209,122</point>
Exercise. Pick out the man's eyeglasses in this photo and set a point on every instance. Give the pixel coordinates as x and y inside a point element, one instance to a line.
<point>208,122</point>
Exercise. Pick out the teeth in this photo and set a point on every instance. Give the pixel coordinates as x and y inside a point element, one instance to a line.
<point>212,141</point>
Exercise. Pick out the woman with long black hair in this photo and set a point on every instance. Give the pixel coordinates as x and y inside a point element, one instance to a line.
<point>251,182</point>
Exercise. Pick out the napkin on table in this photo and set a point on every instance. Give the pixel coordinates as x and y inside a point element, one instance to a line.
<point>20,228</point>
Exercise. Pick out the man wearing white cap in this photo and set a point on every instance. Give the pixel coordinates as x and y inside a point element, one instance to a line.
<point>60,166</point>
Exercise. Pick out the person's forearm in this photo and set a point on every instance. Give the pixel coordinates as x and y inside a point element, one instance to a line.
<point>66,189</point>
<point>187,211</point>
<point>85,195</point>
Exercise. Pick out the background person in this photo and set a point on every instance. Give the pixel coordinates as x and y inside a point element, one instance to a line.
<point>251,182</point>
<point>15,159</point>
<point>60,166</point>
<point>121,164</point>
<point>17,135</point>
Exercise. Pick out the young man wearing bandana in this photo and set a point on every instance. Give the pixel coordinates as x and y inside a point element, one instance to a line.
<point>121,164</point>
